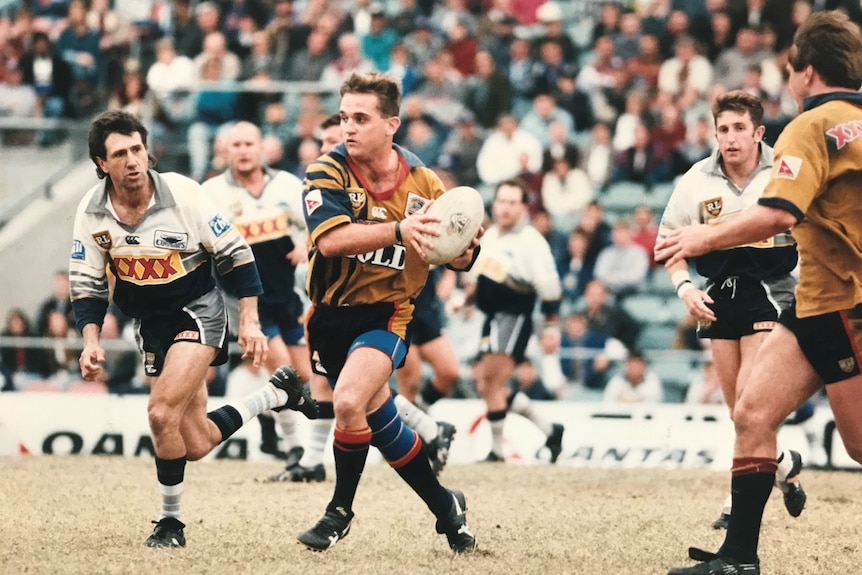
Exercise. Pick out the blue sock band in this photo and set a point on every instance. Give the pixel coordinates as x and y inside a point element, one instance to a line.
<point>389,434</point>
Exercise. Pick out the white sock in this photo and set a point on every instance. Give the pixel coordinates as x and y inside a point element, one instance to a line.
<point>313,454</point>
<point>728,505</point>
<point>523,405</point>
<point>415,418</point>
<point>171,499</point>
<point>287,420</point>
<point>497,436</point>
<point>785,465</point>
<point>257,402</point>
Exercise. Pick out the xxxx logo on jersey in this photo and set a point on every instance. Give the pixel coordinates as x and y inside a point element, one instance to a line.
<point>143,269</point>
<point>263,229</point>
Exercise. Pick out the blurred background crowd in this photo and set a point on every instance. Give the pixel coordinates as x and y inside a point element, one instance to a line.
<point>597,105</point>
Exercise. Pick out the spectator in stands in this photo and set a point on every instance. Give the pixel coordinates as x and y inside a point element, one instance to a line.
<point>551,64</point>
<point>402,70</point>
<point>544,112</point>
<point>605,80</point>
<point>642,162</point>
<point>704,388</point>
<point>634,114</point>
<point>43,68</point>
<point>171,72</point>
<point>460,151</point>
<point>643,68</point>
<point>667,136</point>
<point>215,55</point>
<point>131,94</point>
<point>523,72</point>
<point>550,16</point>
<point>527,380</point>
<point>81,49</point>
<point>350,61</point>
<point>213,109</point>
<point>303,131</point>
<point>447,13</point>
<point>463,47</point>
<point>687,76</point>
<point>17,363</point>
<point>699,142</point>
<point>60,361</point>
<point>605,316</point>
<point>636,383</point>
<point>187,36</point>
<point>406,17</point>
<point>377,44</point>
<point>423,43</point>
<point>645,231</point>
<point>627,39</point>
<point>774,119</point>
<point>287,36</point>
<point>423,141</point>
<point>17,99</point>
<point>307,64</point>
<point>622,266</point>
<point>487,93</point>
<point>566,191</point>
<point>440,90</point>
<point>560,145</point>
<point>58,300</point>
<point>584,356</point>
<point>499,36</point>
<point>598,158</point>
<point>500,158</point>
<point>571,99</point>
<point>575,276</point>
<point>260,63</point>
<point>732,63</point>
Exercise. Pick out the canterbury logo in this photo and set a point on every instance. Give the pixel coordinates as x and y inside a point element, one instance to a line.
<point>147,269</point>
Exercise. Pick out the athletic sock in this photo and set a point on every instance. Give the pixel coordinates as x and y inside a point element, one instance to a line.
<point>523,405</point>
<point>785,466</point>
<point>430,394</point>
<point>235,414</point>
<point>497,419</point>
<point>750,486</point>
<point>170,473</point>
<point>287,421</point>
<point>415,418</point>
<point>350,449</point>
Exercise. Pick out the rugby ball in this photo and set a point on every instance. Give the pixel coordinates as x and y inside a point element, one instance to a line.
<point>461,211</point>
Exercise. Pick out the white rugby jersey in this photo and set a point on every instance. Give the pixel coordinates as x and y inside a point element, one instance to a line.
<point>164,261</point>
<point>704,195</point>
<point>272,224</point>
<point>514,268</point>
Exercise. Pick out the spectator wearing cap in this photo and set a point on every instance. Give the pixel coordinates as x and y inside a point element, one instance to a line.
<point>488,93</point>
<point>550,15</point>
<point>460,151</point>
<point>377,44</point>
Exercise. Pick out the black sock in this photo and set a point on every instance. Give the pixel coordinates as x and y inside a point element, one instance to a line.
<point>227,419</point>
<point>325,410</point>
<point>268,435</point>
<point>430,394</point>
<point>350,449</point>
<point>420,477</point>
<point>750,493</point>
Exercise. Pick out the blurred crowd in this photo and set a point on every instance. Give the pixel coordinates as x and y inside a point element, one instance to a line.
<point>575,97</point>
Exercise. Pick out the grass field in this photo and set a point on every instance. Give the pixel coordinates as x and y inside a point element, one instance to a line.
<point>91,515</point>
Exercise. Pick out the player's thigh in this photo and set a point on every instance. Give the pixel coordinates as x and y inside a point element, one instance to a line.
<point>300,361</point>
<point>440,355</point>
<point>748,347</point>
<point>182,376</point>
<point>726,357</point>
<point>845,399</point>
<point>781,380</point>
<point>495,369</point>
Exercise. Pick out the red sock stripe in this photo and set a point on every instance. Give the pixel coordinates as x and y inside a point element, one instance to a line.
<point>415,450</point>
<point>351,439</point>
<point>750,465</point>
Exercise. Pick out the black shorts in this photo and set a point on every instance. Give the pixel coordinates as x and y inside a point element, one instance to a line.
<point>508,334</point>
<point>333,331</point>
<point>203,321</point>
<point>743,306</point>
<point>830,342</point>
<point>427,322</point>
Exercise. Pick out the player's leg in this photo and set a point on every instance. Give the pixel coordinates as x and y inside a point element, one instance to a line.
<point>845,398</point>
<point>409,375</point>
<point>781,379</point>
<point>439,354</point>
<point>278,354</point>
<point>310,467</point>
<point>727,358</point>
<point>492,375</point>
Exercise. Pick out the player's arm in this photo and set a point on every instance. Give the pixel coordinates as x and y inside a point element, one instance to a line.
<point>695,299</point>
<point>249,336</point>
<point>755,224</point>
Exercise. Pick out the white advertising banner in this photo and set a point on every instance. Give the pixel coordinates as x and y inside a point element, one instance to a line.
<point>597,435</point>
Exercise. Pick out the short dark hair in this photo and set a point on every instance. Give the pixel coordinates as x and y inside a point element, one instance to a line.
<point>330,121</point>
<point>741,102</point>
<point>831,43</point>
<point>515,183</point>
<point>386,88</point>
<point>112,122</point>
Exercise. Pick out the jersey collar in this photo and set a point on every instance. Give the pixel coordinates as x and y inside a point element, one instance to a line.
<point>819,99</point>
<point>162,196</point>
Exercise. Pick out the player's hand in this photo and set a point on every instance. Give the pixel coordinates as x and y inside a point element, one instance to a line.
<point>297,255</point>
<point>696,303</point>
<point>253,343</point>
<point>416,226</point>
<point>91,361</point>
<point>683,243</point>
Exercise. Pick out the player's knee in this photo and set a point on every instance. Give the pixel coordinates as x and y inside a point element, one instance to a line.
<point>162,419</point>
<point>347,405</point>
<point>752,421</point>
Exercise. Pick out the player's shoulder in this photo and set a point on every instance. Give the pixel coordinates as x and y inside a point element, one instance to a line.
<point>92,198</point>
